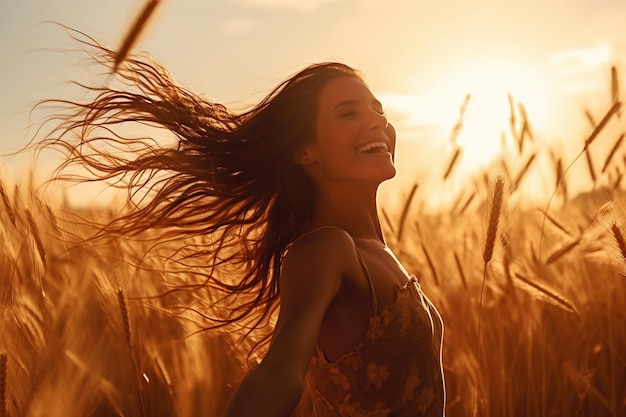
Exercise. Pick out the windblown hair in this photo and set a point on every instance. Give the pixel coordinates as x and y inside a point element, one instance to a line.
<point>229,176</point>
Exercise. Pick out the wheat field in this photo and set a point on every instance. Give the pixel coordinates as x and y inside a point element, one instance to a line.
<point>533,296</point>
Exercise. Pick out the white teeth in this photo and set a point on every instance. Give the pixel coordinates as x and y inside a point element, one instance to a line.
<point>368,146</point>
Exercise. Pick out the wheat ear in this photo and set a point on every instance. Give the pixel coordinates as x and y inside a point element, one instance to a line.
<point>555,223</point>
<point>560,252</point>
<point>492,231</point>
<point>121,299</point>
<point>34,231</point>
<point>546,294</point>
<point>619,237</point>
<point>494,218</point>
<point>452,163</point>
<point>594,134</point>
<point>135,30</point>
<point>522,173</point>
<point>405,211</point>
<point>7,203</point>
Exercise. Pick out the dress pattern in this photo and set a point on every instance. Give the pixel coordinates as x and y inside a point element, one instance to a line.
<point>395,371</point>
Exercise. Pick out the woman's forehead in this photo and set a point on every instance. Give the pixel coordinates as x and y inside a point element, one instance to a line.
<point>344,90</point>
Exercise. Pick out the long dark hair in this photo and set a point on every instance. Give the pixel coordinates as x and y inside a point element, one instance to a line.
<point>227,175</point>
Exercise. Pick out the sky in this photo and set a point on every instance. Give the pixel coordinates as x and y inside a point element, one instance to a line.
<point>421,58</point>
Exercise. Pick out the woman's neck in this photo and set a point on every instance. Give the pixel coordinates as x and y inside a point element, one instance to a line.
<point>354,211</point>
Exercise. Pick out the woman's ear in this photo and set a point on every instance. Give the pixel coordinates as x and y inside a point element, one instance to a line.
<point>304,156</point>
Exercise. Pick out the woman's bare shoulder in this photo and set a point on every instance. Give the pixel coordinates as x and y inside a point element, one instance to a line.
<point>330,245</point>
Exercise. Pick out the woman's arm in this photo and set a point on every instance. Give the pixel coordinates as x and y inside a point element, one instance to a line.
<point>311,276</point>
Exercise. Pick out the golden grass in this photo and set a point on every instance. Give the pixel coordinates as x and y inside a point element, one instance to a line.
<point>552,338</point>
<point>494,219</point>
<point>3,384</point>
<point>619,239</point>
<point>612,153</point>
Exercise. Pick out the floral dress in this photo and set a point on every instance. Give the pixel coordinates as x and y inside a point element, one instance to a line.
<point>395,371</point>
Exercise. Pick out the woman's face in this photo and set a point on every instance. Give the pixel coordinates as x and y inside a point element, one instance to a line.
<point>354,142</point>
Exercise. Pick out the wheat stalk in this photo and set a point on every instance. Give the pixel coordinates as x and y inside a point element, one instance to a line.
<point>585,383</point>
<point>494,218</point>
<point>559,172</point>
<point>492,231</point>
<point>387,220</point>
<point>614,85</point>
<point>452,163</point>
<point>619,238</point>
<point>458,126</point>
<point>467,203</point>
<point>460,269</point>
<point>555,223</point>
<point>135,30</point>
<point>546,294</point>
<point>592,171</point>
<point>594,134</point>
<point>560,252</point>
<point>431,264</point>
<point>618,179</point>
<point>3,385</point>
<point>512,117</point>
<point>7,203</point>
<point>34,231</point>
<point>589,117</point>
<point>526,128</point>
<point>405,212</point>
<point>507,270</point>
<point>522,173</point>
<point>612,153</point>
<point>121,300</point>
<point>596,131</point>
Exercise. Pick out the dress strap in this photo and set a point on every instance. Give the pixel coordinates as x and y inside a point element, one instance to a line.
<point>369,281</point>
<point>365,270</point>
<point>310,232</point>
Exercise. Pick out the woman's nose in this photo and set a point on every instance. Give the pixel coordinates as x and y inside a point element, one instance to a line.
<point>378,120</point>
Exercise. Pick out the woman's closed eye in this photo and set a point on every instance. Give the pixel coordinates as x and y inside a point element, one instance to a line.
<point>348,113</point>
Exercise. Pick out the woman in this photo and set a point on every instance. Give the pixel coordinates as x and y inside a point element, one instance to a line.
<point>292,184</point>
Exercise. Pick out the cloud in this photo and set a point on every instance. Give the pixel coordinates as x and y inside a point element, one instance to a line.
<point>583,70</point>
<point>576,87</point>
<point>417,110</point>
<point>299,5</point>
<point>582,59</point>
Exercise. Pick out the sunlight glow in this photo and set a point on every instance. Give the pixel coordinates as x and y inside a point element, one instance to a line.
<point>489,81</point>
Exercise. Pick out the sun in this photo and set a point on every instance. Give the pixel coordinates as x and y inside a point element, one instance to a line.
<point>492,85</point>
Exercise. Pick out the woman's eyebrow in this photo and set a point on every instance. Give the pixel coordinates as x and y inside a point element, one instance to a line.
<point>375,102</point>
<point>345,103</point>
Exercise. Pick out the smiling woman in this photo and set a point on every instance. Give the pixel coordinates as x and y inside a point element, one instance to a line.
<point>342,151</point>
<point>287,193</point>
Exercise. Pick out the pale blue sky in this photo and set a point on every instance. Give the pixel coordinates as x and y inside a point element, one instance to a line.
<point>420,57</point>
